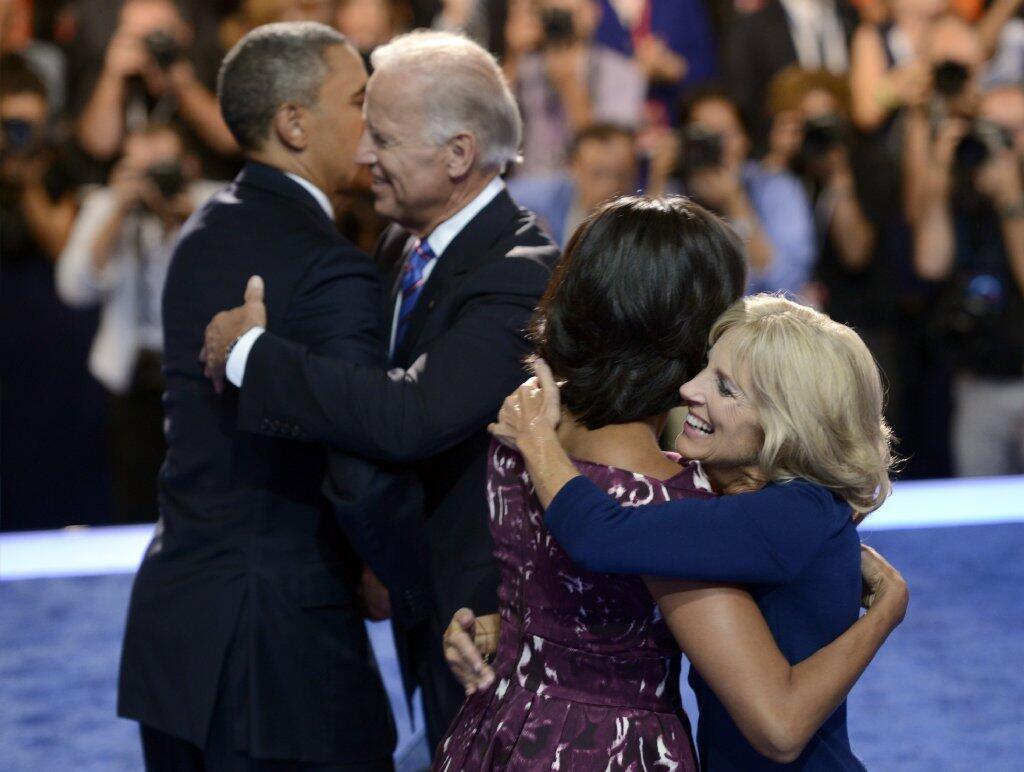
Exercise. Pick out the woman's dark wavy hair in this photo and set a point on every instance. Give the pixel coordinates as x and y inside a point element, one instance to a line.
<point>625,319</point>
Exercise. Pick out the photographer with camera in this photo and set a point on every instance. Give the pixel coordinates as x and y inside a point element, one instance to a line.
<point>969,235</point>
<point>564,80</point>
<point>117,258</point>
<point>856,207</point>
<point>709,161</point>
<point>603,164</point>
<point>147,75</point>
<point>50,420</point>
<point>38,202</point>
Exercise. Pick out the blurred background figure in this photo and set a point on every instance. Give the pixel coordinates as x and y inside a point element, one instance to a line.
<point>671,40</point>
<point>52,412</point>
<point>856,206</point>
<point>814,34</point>
<point>564,79</point>
<point>1002,31</point>
<point>150,67</point>
<point>766,205</point>
<point>602,165</point>
<point>117,258</point>
<point>969,235</point>
<point>370,23</point>
<point>44,59</point>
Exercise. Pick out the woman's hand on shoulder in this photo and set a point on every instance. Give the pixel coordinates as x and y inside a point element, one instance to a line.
<point>531,411</point>
<point>884,589</point>
<point>469,643</point>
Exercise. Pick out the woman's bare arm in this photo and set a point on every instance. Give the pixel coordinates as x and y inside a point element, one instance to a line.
<point>777,706</point>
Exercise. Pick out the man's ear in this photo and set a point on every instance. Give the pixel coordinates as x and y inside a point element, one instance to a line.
<point>461,155</point>
<point>290,126</point>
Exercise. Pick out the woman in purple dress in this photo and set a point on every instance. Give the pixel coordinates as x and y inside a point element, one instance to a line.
<point>586,673</point>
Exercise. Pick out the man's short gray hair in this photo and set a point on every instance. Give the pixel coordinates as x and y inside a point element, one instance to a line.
<point>273,64</point>
<point>463,89</point>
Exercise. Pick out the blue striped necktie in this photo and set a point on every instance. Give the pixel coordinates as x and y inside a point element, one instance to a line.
<point>411,284</point>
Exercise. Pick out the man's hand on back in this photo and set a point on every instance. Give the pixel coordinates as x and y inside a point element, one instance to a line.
<point>227,327</point>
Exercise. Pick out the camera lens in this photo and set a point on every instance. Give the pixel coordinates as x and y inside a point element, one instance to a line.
<point>163,48</point>
<point>950,78</point>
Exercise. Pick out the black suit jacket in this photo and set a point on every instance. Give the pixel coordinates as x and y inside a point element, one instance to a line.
<point>249,580</point>
<point>758,46</point>
<point>465,346</point>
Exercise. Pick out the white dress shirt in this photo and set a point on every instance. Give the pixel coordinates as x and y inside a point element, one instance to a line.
<point>315,192</point>
<point>439,240</point>
<point>130,285</point>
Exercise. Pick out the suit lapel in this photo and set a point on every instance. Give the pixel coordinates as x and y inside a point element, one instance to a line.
<point>463,253</point>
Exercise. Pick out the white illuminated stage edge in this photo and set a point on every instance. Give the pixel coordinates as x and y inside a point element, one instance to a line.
<point>79,551</point>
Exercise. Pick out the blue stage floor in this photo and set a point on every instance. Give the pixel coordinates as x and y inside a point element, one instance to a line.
<point>945,693</point>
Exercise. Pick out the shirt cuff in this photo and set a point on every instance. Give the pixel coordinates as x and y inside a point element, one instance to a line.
<point>234,369</point>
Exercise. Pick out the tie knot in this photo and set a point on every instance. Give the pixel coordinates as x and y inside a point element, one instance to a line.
<point>415,264</point>
<point>422,253</point>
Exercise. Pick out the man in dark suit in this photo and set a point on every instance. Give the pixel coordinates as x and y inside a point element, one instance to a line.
<point>466,269</point>
<point>244,647</point>
<point>814,34</point>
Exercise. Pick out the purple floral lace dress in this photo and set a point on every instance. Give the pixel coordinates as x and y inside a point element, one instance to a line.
<point>587,670</point>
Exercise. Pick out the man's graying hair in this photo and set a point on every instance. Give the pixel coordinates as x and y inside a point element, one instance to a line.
<point>273,64</point>
<point>463,90</point>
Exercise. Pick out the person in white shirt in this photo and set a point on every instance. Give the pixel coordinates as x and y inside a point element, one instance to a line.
<point>117,257</point>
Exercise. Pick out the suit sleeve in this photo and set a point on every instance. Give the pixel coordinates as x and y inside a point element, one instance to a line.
<point>453,392</point>
<point>336,312</point>
<point>764,537</point>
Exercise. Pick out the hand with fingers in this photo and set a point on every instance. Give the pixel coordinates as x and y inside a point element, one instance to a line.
<point>227,327</point>
<point>469,643</point>
<point>534,408</point>
<point>884,589</point>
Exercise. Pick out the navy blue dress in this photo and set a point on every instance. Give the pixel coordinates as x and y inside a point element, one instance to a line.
<point>793,544</point>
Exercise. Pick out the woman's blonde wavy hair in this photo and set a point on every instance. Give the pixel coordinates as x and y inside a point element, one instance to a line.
<point>819,397</point>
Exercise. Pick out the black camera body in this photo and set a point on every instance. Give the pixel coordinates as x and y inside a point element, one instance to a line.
<point>558,27</point>
<point>984,141</point>
<point>950,78</point>
<point>167,177</point>
<point>163,48</point>
<point>822,134</point>
<point>699,149</point>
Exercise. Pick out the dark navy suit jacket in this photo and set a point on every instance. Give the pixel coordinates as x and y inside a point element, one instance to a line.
<point>246,594</point>
<point>469,323</point>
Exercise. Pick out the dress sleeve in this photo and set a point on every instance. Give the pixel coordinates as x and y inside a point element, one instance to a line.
<point>763,537</point>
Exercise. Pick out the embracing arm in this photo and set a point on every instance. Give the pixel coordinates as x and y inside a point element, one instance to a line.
<point>777,706</point>
<point>763,536</point>
<point>450,393</point>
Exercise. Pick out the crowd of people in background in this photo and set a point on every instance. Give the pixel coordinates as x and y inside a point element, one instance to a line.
<point>869,155</point>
